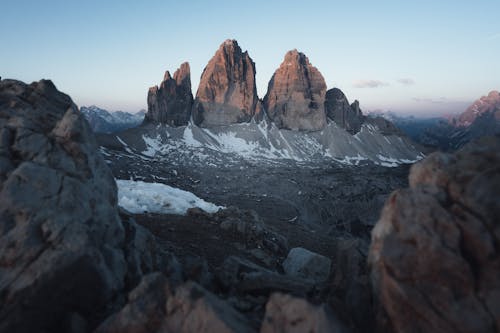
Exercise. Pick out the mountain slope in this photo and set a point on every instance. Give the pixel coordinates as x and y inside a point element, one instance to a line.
<point>103,121</point>
<point>264,142</point>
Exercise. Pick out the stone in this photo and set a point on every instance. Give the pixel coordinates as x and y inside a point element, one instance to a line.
<point>289,314</point>
<point>143,255</point>
<point>306,264</point>
<point>252,229</point>
<point>171,103</point>
<point>434,258</point>
<point>337,108</point>
<point>227,93</point>
<point>155,307</point>
<point>295,96</point>
<point>145,310</point>
<point>247,277</point>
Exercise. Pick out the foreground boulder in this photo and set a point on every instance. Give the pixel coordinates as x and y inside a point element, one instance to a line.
<point>296,95</point>
<point>435,261</point>
<point>302,263</point>
<point>337,108</point>
<point>227,93</point>
<point>64,253</point>
<point>285,313</point>
<point>171,103</point>
<point>155,307</point>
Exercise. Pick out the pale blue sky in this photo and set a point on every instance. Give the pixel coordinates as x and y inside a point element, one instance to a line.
<point>421,57</point>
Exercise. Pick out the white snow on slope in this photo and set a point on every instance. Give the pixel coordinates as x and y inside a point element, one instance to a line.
<point>139,197</point>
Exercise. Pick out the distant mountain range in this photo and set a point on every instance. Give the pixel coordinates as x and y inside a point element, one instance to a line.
<point>103,121</point>
<point>481,118</point>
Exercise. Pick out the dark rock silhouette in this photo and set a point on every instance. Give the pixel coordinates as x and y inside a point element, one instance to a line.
<point>227,93</point>
<point>296,95</point>
<point>434,257</point>
<point>338,109</point>
<point>171,103</point>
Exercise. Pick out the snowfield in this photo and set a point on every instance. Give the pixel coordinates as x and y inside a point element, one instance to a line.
<point>139,197</point>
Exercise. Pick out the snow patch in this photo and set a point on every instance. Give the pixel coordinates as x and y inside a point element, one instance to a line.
<point>139,197</point>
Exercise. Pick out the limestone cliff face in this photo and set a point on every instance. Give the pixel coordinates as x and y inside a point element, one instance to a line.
<point>227,93</point>
<point>171,103</point>
<point>296,95</point>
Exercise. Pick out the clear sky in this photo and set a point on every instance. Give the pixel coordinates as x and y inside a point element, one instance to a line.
<point>420,57</point>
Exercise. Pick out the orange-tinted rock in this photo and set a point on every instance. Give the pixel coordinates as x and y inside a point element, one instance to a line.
<point>227,93</point>
<point>434,257</point>
<point>296,95</point>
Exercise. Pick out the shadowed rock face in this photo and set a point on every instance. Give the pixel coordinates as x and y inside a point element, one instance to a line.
<point>171,103</point>
<point>64,253</point>
<point>227,93</point>
<point>338,109</point>
<point>296,95</point>
<point>434,257</point>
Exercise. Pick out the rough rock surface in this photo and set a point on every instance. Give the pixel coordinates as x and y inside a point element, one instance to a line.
<point>486,104</point>
<point>155,307</point>
<point>305,264</point>
<point>171,103</point>
<point>383,125</point>
<point>227,93</point>
<point>65,256</point>
<point>338,109</point>
<point>285,313</point>
<point>295,96</point>
<point>434,257</point>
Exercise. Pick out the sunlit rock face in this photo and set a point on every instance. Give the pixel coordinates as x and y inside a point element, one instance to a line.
<point>296,95</point>
<point>227,93</point>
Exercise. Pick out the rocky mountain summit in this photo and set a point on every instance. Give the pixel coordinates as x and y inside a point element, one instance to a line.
<point>338,109</point>
<point>171,103</point>
<point>227,93</point>
<point>481,118</point>
<point>489,104</point>
<point>434,255</point>
<point>295,96</point>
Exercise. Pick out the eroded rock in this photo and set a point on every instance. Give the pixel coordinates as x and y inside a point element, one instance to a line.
<point>295,96</point>
<point>155,307</point>
<point>434,257</point>
<point>65,257</point>
<point>306,264</point>
<point>171,102</point>
<point>285,313</point>
<point>227,93</point>
<point>338,109</point>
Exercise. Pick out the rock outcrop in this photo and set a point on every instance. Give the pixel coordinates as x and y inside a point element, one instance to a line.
<point>295,96</point>
<point>434,258</point>
<point>285,313</point>
<point>305,264</point>
<point>154,306</point>
<point>337,108</point>
<point>227,93</point>
<point>171,103</point>
<point>64,253</point>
